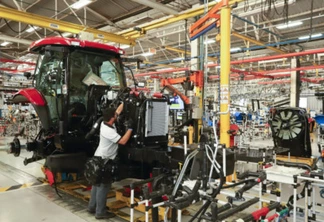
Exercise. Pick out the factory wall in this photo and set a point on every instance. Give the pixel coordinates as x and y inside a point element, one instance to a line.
<point>313,103</point>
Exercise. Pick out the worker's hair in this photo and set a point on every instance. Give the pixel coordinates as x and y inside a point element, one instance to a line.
<point>108,113</point>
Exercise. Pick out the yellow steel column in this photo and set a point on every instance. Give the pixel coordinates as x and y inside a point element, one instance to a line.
<point>225,32</point>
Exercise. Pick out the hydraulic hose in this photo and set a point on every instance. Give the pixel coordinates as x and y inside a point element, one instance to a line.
<point>250,184</point>
<point>292,164</point>
<point>186,201</point>
<point>94,128</point>
<point>290,202</point>
<point>204,208</point>
<point>238,183</point>
<point>237,209</point>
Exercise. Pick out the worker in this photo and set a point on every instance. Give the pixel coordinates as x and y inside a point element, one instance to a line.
<point>311,123</point>
<point>107,149</point>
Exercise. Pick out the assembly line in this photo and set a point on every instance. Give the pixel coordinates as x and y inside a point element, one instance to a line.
<point>167,110</point>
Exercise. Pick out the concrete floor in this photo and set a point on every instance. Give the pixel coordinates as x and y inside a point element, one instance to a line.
<point>37,203</point>
<point>41,203</point>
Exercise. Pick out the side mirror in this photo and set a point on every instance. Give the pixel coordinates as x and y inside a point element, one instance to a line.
<point>27,75</point>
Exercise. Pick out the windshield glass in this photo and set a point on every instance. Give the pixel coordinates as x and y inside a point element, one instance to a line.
<point>95,69</point>
<point>49,76</point>
<point>86,68</point>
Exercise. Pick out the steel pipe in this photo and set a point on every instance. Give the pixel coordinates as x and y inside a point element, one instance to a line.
<point>288,55</point>
<point>161,72</point>
<point>16,61</point>
<point>293,69</point>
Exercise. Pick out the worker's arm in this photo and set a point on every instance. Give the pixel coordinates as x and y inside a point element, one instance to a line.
<point>126,137</point>
<point>120,109</point>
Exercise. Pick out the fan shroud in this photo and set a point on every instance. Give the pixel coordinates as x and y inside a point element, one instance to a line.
<point>290,129</point>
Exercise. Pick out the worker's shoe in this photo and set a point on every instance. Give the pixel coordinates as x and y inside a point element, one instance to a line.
<point>91,211</point>
<point>105,216</point>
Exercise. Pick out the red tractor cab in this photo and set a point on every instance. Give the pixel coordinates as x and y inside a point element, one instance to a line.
<point>74,81</point>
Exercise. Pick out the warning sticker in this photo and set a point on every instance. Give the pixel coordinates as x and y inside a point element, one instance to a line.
<point>224,88</point>
<point>224,99</point>
<point>224,94</point>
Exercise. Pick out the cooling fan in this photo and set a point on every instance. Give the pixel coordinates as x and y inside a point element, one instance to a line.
<point>290,129</point>
<point>286,125</point>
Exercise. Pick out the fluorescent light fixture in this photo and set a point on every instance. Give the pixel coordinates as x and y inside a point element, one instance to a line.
<point>284,65</point>
<point>66,34</point>
<point>272,60</point>
<point>80,4</point>
<point>147,54</point>
<point>124,46</point>
<point>178,59</point>
<point>312,36</point>
<point>235,49</point>
<point>5,43</point>
<point>164,69</point>
<point>210,41</point>
<point>32,29</point>
<point>289,25</point>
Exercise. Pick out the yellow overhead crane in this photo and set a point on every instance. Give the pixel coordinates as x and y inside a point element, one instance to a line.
<point>171,19</point>
<point>49,23</point>
<point>124,37</point>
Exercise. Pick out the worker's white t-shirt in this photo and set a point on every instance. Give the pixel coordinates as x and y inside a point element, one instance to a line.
<point>108,144</point>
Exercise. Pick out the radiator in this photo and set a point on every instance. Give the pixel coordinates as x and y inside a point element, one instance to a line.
<point>156,118</point>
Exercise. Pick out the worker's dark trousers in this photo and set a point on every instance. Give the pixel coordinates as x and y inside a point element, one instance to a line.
<point>99,198</point>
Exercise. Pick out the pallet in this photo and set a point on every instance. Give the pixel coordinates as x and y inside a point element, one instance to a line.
<point>72,187</point>
<point>122,202</point>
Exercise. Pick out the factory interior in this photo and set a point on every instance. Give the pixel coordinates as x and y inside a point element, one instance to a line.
<point>162,110</point>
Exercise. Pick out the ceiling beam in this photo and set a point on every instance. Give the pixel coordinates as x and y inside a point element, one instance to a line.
<point>156,5</point>
<point>161,65</point>
<point>246,38</point>
<point>63,26</point>
<point>6,55</point>
<point>13,39</point>
<point>109,22</point>
<point>188,52</point>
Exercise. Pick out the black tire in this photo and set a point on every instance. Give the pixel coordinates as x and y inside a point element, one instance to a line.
<point>17,147</point>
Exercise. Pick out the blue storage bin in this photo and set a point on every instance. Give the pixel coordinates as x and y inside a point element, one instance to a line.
<point>319,119</point>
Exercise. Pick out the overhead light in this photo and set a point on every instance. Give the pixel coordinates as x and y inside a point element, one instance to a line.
<point>80,4</point>
<point>32,29</point>
<point>284,65</point>
<point>289,25</point>
<point>164,69</point>
<point>312,36</point>
<point>147,54</point>
<point>5,43</point>
<point>66,34</point>
<point>272,60</point>
<point>178,59</point>
<point>210,41</point>
<point>151,51</point>
<point>235,49</point>
<point>124,46</point>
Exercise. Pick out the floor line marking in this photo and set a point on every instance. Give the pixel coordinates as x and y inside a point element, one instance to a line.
<point>21,186</point>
